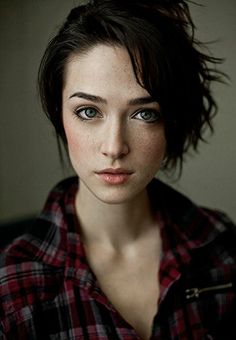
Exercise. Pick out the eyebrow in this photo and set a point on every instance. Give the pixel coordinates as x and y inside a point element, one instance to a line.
<point>98,99</point>
<point>88,96</point>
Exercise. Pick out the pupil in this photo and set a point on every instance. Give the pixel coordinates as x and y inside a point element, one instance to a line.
<point>146,115</point>
<point>90,113</point>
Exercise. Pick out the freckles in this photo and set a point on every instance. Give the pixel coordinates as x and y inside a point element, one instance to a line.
<point>78,142</point>
<point>72,139</point>
<point>153,146</point>
<point>76,145</point>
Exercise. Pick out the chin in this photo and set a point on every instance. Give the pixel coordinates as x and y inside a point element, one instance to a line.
<point>116,195</point>
<point>114,199</point>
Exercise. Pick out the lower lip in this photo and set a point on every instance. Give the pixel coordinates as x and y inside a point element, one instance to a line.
<point>114,178</point>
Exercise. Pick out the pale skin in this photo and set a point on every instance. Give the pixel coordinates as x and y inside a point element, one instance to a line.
<point>111,121</point>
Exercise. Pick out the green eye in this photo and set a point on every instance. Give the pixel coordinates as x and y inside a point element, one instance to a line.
<point>86,113</point>
<point>149,116</point>
<point>90,113</point>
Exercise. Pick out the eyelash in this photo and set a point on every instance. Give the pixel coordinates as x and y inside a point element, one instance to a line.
<point>155,113</point>
<point>77,113</point>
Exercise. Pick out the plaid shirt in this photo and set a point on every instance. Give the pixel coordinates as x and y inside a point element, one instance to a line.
<point>48,291</point>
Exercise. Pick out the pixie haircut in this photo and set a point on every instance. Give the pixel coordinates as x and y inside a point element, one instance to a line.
<point>167,61</point>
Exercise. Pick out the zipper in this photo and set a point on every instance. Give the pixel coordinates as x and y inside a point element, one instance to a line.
<point>195,292</point>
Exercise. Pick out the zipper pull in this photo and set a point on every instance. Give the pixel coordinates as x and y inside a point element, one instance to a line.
<point>192,293</point>
<point>195,292</point>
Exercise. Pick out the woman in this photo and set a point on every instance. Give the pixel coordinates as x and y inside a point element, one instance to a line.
<point>117,254</point>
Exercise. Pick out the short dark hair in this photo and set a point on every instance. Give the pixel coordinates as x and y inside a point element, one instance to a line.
<point>167,60</point>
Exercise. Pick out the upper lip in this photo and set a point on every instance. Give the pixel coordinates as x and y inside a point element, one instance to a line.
<point>114,171</point>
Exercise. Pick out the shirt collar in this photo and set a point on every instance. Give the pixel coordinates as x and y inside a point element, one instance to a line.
<point>184,226</point>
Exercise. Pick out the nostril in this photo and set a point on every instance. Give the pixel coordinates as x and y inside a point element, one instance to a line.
<point>116,154</point>
<point>114,147</point>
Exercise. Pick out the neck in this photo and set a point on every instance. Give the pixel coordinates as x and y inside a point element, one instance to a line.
<point>116,225</point>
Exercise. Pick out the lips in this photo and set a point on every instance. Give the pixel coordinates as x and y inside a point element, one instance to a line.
<point>114,171</point>
<point>114,176</point>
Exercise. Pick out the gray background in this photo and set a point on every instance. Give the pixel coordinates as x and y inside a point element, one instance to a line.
<point>29,162</point>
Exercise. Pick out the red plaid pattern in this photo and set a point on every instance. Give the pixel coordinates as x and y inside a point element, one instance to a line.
<point>48,291</point>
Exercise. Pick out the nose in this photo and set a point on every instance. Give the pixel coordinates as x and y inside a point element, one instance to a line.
<point>114,141</point>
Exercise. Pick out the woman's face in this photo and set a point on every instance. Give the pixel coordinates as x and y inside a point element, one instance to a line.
<point>113,127</point>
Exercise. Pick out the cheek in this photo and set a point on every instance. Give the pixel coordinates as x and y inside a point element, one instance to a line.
<point>76,141</point>
<point>153,147</point>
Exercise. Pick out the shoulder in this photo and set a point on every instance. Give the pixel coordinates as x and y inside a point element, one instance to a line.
<point>33,258</point>
<point>44,237</point>
<point>178,205</point>
<point>32,262</point>
<point>55,201</point>
<point>202,242</point>
<point>199,224</point>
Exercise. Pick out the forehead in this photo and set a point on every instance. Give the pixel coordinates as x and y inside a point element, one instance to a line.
<point>103,68</point>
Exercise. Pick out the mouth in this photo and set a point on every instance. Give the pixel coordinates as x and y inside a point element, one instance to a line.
<point>115,171</point>
<point>114,176</point>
